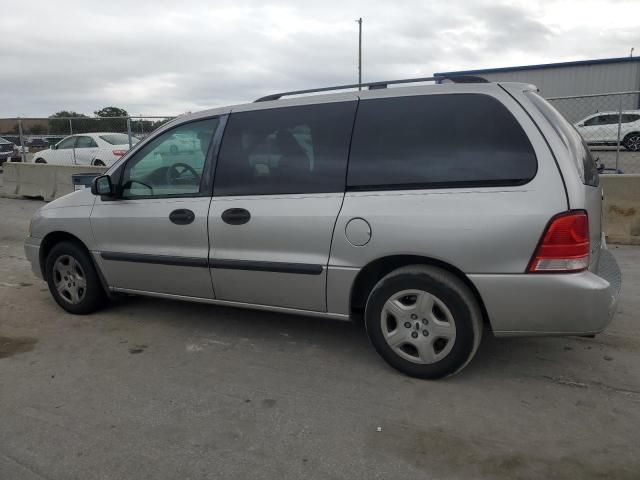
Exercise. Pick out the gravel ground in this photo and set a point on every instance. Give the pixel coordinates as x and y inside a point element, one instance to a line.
<point>154,389</point>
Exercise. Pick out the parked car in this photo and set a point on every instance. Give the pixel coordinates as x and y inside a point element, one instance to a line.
<point>38,143</point>
<point>602,129</point>
<point>426,211</point>
<point>98,149</point>
<point>7,150</point>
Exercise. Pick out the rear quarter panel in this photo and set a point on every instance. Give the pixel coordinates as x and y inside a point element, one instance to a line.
<point>477,230</point>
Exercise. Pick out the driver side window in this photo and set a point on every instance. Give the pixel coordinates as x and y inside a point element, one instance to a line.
<point>170,164</point>
<point>66,144</point>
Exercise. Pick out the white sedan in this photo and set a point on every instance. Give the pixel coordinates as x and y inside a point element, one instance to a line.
<point>100,149</point>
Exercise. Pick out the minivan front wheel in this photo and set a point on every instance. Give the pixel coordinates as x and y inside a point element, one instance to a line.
<point>73,280</point>
<point>424,321</point>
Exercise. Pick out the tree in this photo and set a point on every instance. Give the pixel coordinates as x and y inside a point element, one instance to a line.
<point>59,123</point>
<point>112,124</point>
<point>111,112</point>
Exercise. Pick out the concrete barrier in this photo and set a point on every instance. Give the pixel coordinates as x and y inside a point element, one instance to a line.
<point>621,208</point>
<point>42,180</point>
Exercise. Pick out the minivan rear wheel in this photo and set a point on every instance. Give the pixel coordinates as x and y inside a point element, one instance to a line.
<point>73,280</point>
<point>424,321</point>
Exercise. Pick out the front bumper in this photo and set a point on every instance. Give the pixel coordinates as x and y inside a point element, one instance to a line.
<point>552,304</point>
<point>32,251</point>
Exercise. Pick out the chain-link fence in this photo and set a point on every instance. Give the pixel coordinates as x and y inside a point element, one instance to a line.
<point>73,140</point>
<point>610,124</point>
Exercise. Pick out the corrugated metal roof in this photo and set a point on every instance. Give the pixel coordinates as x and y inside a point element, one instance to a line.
<point>600,61</point>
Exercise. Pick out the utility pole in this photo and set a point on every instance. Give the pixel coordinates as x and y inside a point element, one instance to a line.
<point>359,22</point>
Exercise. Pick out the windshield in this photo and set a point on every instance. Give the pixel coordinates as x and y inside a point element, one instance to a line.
<point>119,139</point>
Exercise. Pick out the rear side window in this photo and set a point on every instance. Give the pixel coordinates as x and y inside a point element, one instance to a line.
<point>300,149</point>
<point>431,141</point>
<point>577,147</point>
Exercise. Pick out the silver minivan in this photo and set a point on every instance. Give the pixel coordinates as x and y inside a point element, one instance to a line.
<point>429,212</point>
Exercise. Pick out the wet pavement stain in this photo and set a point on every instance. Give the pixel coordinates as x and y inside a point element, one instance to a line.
<point>137,349</point>
<point>10,346</point>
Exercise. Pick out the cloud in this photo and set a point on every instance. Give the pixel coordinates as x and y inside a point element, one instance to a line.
<point>167,57</point>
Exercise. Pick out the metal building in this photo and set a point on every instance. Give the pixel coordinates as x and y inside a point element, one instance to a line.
<point>587,77</point>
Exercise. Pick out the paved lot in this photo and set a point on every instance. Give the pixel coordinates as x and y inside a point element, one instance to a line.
<point>628,162</point>
<point>152,389</point>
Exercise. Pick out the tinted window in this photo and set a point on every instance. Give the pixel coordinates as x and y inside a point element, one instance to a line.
<point>285,150</point>
<point>592,121</point>
<point>438,140</point>
<point>630,117</point>
<point>609,119</point>
<point>577,147</point>
<point>170,164</point>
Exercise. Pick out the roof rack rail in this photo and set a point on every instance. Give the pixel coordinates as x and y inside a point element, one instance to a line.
<point>376,85</point>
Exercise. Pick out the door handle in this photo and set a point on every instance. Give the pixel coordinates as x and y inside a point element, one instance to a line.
<point>236,216</point>
<point>182,216</point>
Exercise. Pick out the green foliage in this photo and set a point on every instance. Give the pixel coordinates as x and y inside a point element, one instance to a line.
<point>111,112</point>
<point>103,121</point>
<point>58,125</point>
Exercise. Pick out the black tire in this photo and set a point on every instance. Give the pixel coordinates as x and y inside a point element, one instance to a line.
<point>40,160</point>
<point>632,142</point>
<point>93,296</point>
<point>98,163</point>
<point>451,292</point>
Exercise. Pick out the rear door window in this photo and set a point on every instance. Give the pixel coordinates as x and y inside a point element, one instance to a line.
<point>438,141</point>
<point>300,149</point>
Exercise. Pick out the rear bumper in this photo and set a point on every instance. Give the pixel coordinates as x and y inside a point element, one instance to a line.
<point>32,251</point>
<point>552,304</point>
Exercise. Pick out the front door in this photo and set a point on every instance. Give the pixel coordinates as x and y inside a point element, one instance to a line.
<point>153,237</point>
<point>63,153</point>
<point>86,149</point>
<point>279,186</point>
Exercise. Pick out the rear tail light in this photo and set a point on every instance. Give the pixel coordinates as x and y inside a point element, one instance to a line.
<point>119,153</point>
<point>564,247</point>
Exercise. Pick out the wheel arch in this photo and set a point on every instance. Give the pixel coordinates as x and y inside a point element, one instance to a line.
<point>371,273</point>
<point>52,239</point>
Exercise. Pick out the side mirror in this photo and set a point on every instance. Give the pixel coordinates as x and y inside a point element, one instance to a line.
<point>102,186</point>
<point>52,147</point>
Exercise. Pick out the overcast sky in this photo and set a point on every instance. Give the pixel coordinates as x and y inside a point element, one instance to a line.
<point>168,57</point>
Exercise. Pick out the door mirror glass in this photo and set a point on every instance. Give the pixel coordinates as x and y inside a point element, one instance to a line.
<point>102,186</point>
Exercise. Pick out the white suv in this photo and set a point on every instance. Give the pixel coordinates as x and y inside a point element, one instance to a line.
<point>602,129</point>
